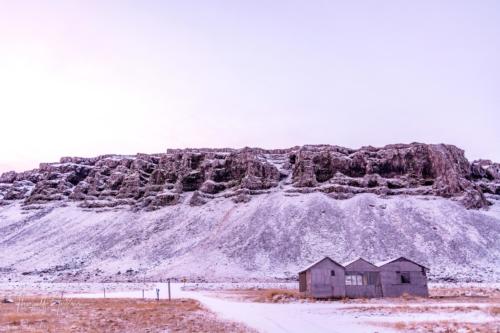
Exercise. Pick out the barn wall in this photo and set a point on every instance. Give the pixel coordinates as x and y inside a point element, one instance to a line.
<point>360,291</point>
<point>361,266</point>
<point>391,280</point>
<point>302,282</point>
<point>325,285</point>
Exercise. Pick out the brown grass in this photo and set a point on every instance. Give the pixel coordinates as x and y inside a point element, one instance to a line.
<point>445,327</point>
<point>465,293</point>
<point>263,295</point>
<point>278,295</point>
<point>494,311</point>
<point>387,310</point>
<point>39,314</point>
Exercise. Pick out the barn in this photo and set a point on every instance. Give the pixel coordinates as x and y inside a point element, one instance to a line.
<point>360,278</point>
<point>403,276</point>
<point>323,279</point>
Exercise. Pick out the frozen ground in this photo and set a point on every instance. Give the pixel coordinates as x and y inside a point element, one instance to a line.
<point>341,317</point>
<point>271,237</point>
<point>323,317</point>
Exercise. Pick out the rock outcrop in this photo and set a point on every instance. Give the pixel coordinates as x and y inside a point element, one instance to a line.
<point>199,175</point>
<point>487,175</point>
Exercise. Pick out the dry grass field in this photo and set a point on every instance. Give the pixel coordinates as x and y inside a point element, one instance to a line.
<point>262,295</point>
<point>42,314</point>
<point>410,312</point>
<point>445,327</point>
<point>484,293</point>
<point>469,294</point>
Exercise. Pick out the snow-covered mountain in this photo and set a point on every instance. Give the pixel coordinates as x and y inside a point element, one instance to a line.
<point>250,213</point>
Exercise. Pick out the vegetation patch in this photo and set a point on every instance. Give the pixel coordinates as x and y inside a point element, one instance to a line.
<point>42,314</point>
<point>264,295</point>
<point>444,327</point>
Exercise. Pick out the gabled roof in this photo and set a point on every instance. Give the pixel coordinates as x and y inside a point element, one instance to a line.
<point>317,262</point>
<point>379,264</point>
<point>353,261</point>
<point>347,263</point>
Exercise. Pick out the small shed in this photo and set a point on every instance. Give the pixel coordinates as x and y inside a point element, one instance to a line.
<point>403,276</point>
<point>362,279</point>
<point>323,279</point>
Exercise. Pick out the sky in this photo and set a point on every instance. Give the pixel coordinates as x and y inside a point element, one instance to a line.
<point>85,78</point>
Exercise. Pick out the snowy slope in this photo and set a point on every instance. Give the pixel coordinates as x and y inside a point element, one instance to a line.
<point>271,236</point>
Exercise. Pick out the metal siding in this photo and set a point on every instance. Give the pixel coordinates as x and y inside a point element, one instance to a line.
<point>361,266</point>
<point>308,282</point>
<point>319,282</point>
<point>302,282</point>
<point>323,285</point>
<point>391,282</point>
<point>370,273</point>
<point>373,289</point>
<point>360,291</point>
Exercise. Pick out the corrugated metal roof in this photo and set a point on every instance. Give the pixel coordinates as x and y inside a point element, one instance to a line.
<point>382,263</point>
<point>317,262</point>
<point>378,264</point>
<point>350,262</point>
<point>353,261</point>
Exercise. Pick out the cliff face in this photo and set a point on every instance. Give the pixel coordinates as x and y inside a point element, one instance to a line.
<point>153,181</point>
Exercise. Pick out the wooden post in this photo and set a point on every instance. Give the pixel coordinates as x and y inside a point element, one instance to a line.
<point>104,292</point>
<point>157,294</point>
<point>142,293</point>
<point>169,298</point>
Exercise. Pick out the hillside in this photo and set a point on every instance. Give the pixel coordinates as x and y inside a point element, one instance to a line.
<point>250,213</point>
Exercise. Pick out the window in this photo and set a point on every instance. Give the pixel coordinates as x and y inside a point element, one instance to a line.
<point>405,277</point>
<point>354,280</point>
<point>332,273</point>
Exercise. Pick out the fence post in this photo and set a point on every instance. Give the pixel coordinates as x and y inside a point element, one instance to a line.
<point>142,293</point>
<point>169,298</point>
<point>157,294</point>
<point>104,292</point>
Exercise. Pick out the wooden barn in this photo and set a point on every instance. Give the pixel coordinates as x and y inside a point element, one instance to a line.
<point>361,279</point>
<point>403,276</point>
<point>323,279</point>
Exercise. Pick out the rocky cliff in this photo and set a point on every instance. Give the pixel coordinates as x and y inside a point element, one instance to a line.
<point>153,181</point>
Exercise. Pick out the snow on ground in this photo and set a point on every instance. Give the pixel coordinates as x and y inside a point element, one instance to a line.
<point>270,237</point>
<point>465,285</point>
<point>306,317</point>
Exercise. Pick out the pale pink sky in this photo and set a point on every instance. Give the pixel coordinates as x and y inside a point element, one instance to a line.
<point>84,78</point>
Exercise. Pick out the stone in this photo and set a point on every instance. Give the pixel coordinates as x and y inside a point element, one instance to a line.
<point>154,181</point>
<point>197,199</point>
<point>8,177</point>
